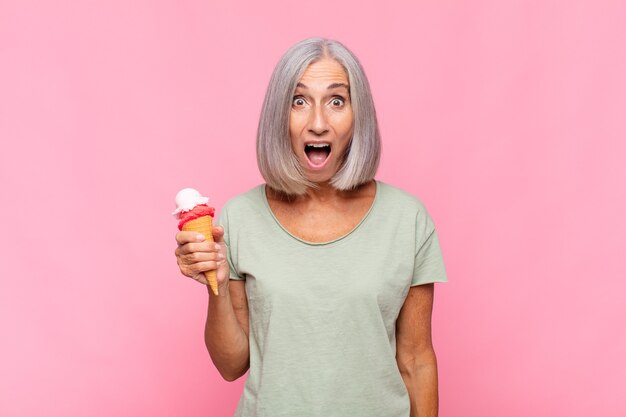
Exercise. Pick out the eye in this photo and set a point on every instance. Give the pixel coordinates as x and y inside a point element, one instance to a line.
<point>298,101</point>
<point>338,101</point>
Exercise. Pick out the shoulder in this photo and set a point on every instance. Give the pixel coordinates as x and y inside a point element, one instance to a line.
<point>244,208</point>
<point>249,200</point>
<point>400,201</point>
<point>403,207</point>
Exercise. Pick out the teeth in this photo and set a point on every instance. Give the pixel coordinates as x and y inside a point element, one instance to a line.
<point>318,145</point>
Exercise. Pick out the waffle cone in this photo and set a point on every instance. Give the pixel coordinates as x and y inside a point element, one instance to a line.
<point>204,226</point>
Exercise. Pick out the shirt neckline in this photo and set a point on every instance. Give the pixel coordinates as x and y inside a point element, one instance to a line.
<point>263,191</point>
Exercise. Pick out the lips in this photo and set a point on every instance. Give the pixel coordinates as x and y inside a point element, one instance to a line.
<point>317,153</point>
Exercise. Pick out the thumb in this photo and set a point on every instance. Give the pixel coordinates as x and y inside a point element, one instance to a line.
<point>218,234</point>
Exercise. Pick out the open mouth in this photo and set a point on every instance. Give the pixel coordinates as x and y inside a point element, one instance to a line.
<point>317,153</point>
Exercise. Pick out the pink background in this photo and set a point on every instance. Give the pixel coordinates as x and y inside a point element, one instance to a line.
<point>506,118</point>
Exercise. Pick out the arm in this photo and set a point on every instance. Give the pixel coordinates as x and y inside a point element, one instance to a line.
<point>226,328</point>
<point>414,351</point>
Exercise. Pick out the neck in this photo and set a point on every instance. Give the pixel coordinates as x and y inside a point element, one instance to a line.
<point>324,192</point>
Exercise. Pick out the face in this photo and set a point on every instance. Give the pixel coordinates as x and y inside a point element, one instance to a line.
<point>321,120</point>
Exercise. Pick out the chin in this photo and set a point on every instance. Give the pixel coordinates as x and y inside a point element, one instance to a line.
<point>317,176</point>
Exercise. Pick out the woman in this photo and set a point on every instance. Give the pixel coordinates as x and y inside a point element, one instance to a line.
<point>325,275</point>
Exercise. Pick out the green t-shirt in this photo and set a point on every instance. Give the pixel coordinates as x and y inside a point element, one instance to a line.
<point>323,315</point>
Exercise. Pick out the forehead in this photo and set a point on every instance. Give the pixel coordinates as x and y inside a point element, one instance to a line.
<point>325,70</point>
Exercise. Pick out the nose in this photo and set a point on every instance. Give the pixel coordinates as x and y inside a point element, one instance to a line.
<point>318,123</point>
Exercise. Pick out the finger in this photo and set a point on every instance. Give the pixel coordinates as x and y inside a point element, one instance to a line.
<point>188,237</point>
<point>201,279</point>
<point>218,234</point>
<point>196,257</point>
<point>199,267</point>
<point>196,247</point>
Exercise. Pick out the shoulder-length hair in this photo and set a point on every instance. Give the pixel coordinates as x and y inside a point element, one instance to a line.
<point>277,162</point>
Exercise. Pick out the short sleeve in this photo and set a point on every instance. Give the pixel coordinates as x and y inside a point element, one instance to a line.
<point>428,266</point>
<point>231,246</point>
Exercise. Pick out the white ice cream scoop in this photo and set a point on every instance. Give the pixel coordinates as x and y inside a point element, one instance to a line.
<point>187,199</point>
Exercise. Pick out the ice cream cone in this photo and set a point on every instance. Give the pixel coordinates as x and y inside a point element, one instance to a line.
<point>204,226</point>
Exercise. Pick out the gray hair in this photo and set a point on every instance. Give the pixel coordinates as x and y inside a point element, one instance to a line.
<point>277,162</point>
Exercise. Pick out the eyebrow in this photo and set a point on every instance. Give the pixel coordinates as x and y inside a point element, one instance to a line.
<point>330,87</point>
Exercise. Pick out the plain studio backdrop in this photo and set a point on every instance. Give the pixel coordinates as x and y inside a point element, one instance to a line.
<point>506,118</point>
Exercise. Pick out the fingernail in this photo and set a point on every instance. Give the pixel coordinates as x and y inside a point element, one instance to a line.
<point>221,256</point>
<point>217,246</point>
<point>199,238</point>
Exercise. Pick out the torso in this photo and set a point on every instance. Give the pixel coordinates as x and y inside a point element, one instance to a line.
<point>338,301</point>
<point>323,221</point>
